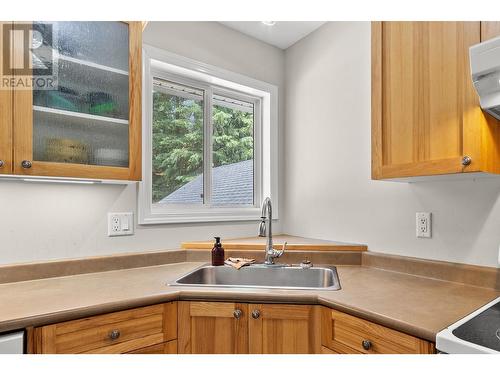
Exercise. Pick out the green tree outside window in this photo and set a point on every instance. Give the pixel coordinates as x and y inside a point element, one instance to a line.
<point>178,140</point>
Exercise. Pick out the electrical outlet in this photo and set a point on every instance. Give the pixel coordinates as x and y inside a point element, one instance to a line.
<point>423,224</point>
<point>120,224</point>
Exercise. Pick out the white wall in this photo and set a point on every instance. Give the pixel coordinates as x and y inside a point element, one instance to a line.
<point>326,191</point>
<point>52,221</point>
<point>329,193</point>
<point>216,44</point>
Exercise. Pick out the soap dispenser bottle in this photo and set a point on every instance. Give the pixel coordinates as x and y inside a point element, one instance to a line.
<point>217,253</point>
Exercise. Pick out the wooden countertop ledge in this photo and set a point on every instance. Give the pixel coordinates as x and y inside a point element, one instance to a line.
<point>293,243</point>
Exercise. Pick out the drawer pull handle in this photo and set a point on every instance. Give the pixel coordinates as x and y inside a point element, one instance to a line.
<point>466,160</point>
<point>114,334</point>
<point>367,344</point>
<point>256,314</point>
<point>237,313</point>
<point>1,163</point>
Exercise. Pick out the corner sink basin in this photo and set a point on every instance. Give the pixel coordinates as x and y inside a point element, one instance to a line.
<point>261,276</point>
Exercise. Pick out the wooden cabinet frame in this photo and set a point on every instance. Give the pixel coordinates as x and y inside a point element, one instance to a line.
<point>198,323</point>
<point>342,333</point>
<point>150,329</point>
<point>476,135</point>
<point>206,327</point>
<point>23,128</point>
<point>5,119</point>
<point>277,328</point>
<point>288,329</point>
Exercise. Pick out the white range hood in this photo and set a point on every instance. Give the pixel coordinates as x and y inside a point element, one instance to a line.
<point>485,69</point>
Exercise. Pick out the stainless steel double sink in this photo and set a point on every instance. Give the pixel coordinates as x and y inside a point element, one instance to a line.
<point>262,276</point>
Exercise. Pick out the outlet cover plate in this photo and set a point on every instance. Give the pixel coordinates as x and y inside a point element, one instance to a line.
<point>120,224</point>
<point>423,225</point>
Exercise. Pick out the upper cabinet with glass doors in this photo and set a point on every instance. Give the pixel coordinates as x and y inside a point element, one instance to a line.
<point>76,102</point>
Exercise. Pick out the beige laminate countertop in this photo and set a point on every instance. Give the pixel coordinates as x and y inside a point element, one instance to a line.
<point>293,243</point>
<point>415,305</point>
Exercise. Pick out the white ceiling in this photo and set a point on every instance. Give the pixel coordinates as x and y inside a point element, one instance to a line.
<point>282,35</point>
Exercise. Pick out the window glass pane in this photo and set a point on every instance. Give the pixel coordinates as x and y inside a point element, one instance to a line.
<point>177,144</point>
<point>233,152</point>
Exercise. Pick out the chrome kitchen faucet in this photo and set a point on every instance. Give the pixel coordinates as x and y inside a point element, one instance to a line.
<point>267,212</point>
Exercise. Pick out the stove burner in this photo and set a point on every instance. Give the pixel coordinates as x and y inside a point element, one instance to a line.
<point>482,329</point>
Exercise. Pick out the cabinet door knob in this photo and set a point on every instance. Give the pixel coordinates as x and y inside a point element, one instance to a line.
<point>1,163</point>
<point>237,313</point>
<point>367,344</point>
<point>26,164</point>
<point>256,314</point>
<point>114,334</point>
<point>466,160</point>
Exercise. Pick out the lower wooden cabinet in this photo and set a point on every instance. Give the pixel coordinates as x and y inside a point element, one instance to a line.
<point>200,327</point>
<point>346,334</point>
<point>145,329</point>
<point>284,329</point>
<point>212,328</point>
<point>239,328</point>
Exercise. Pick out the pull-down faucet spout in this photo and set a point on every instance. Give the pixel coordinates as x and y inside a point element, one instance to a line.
<point>266,230</point>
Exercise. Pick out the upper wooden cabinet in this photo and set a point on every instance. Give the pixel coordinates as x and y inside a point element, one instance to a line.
<point>426,118</point>
<point>490,30</point>
<point>89,125</point>
<point>5,118</point>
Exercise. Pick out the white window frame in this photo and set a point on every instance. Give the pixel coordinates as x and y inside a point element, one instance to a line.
<point>175,68</point>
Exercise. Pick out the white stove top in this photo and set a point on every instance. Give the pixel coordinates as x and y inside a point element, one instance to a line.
<point>477,333</point>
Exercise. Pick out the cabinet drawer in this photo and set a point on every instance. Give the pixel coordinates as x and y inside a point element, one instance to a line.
<point>344,333</point>
<point>112,333</point>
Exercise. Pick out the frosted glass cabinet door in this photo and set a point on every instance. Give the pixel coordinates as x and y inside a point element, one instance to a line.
<point>89,125</point>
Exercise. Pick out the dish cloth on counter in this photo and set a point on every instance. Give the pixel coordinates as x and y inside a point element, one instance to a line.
<point>239,262</point>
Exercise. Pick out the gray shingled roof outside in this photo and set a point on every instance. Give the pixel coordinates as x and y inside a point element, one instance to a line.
<point>232,184</point>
